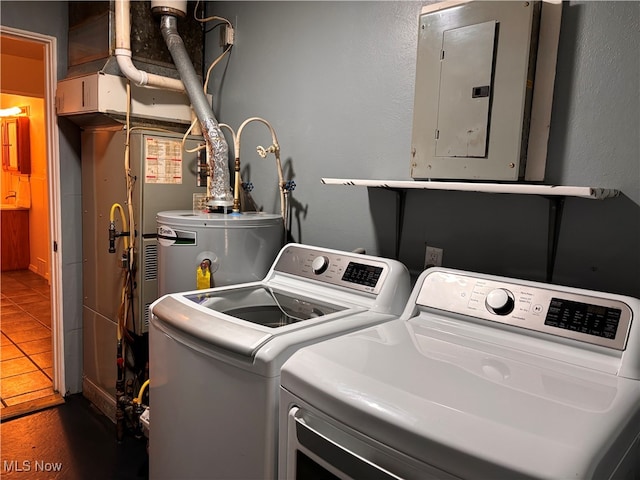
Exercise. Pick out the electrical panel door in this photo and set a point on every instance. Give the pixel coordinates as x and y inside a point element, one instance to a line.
<point>465,92</point>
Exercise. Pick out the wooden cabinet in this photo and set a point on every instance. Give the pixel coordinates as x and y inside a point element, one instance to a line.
<point>16,145</point>
<point>15,239</point>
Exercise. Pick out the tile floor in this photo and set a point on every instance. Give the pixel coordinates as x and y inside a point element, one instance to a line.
<point>26,351</point>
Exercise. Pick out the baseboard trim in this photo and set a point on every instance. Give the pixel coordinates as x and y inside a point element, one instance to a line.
<point>105,402</point>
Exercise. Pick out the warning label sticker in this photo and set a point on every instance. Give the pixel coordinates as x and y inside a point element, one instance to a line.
<point>163,160</point>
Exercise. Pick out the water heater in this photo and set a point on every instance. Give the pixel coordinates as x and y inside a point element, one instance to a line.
<point>236,248</point>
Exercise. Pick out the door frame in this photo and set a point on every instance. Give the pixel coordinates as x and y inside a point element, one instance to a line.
<point>53,183</point>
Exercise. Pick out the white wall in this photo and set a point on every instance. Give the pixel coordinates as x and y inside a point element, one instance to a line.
<point>336,80</point>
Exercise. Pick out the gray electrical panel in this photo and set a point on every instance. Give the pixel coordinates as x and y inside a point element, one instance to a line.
<point>474,87</point>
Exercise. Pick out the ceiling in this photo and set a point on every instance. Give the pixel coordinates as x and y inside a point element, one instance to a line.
<point>21,48</point>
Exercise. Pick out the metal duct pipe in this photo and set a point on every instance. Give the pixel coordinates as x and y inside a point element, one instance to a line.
<point>217,148</point>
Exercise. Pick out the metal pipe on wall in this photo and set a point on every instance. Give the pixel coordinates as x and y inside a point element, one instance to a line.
<point>217,148</point>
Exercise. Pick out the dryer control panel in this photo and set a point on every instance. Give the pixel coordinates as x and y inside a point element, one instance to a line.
<point>563,311</point>
<point>351,270</point>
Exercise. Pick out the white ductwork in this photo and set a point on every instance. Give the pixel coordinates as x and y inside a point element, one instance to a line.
<point>123,55</point>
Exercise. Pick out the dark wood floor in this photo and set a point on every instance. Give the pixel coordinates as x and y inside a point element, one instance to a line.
<point>72,440</point>
<point>68,442</point>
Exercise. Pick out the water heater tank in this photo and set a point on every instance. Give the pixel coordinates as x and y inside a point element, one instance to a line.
<point>238,248</point>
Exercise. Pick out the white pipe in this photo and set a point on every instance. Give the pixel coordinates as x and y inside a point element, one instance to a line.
<point>123,55</point>
<point>274,148</point>
<point>169,7</point>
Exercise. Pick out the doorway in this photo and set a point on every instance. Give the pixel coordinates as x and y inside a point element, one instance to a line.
<point>32,343</point>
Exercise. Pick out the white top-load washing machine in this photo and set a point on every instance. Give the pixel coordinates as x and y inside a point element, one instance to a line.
<point>482,377</point>
<point>215,355</point>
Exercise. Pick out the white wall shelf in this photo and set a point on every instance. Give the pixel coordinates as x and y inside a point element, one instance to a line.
<point>556,194</point>
<point>512,188</point>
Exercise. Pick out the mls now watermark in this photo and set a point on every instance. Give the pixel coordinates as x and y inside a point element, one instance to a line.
<point>30,466</point>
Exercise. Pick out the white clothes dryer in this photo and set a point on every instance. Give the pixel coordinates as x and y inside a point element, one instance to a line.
<point>482,377</point>
<point>215,355</point>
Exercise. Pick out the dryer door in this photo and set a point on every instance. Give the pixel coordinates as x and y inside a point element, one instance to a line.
<point>317,447</point>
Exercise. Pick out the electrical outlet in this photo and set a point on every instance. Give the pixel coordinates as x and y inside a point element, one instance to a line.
<point>432,257</point>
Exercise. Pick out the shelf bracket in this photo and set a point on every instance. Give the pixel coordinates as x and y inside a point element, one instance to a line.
<point>556,207</point>
<point>391,244</point>
<point>402,199</point>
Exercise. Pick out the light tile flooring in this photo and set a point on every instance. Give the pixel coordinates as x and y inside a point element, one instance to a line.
<point>26,351</point>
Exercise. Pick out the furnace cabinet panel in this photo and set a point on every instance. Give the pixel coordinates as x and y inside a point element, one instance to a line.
<point>164,179</point>
<point>474,85</point>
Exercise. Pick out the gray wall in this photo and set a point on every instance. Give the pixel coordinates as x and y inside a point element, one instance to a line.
<point>336,81</point>
<point>50,18</point>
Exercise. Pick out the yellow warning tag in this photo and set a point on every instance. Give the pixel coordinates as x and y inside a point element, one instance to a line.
<point>203,278</point>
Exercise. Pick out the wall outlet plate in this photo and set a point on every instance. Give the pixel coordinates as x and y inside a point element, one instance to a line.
<point>432,256</point>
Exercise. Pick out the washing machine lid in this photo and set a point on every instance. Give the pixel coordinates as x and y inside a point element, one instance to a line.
<point>469,408</point>
<point>242,319</point>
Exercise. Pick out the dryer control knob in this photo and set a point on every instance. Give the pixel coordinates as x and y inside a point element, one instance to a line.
<point>500,301</point>
<point>319,264</point>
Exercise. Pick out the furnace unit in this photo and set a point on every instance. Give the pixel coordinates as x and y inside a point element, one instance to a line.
<point>165,178</point>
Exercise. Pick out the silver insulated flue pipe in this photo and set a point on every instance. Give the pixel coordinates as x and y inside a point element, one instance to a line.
<point>217,148</point>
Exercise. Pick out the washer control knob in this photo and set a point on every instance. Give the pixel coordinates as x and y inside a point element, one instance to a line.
<point>319,264</point>
<point>500,301</point>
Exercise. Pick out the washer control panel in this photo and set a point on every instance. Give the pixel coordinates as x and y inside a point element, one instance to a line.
<point>351,270</point>
<point>545,308</point>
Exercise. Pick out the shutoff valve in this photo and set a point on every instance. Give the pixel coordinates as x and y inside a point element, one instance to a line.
<point>112,237</point>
